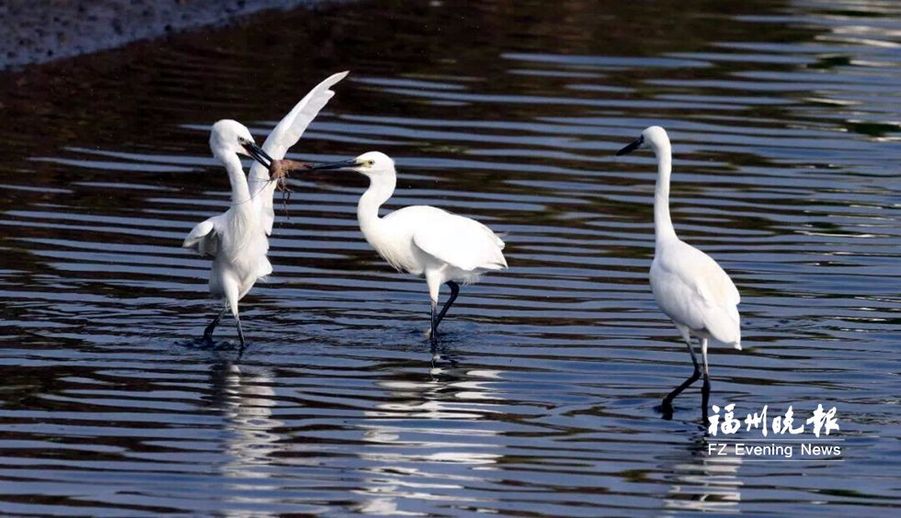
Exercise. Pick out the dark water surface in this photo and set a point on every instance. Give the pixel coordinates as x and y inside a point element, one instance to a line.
<point>786,124</point>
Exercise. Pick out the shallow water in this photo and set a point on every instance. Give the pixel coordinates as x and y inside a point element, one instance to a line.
<point>785,124</point>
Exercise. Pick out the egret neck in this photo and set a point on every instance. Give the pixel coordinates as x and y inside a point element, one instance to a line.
<point>663,225</point>
<point>381,187</point>
<point>240,190</point>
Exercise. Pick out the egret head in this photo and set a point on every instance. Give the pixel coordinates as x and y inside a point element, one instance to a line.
<point>373,163</point>
<point>654,137</point>
<point>232,137</point>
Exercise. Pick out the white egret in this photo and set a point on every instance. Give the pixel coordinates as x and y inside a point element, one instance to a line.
<point>688,285</point>
<point>444,248</point>
<point>237,239</point>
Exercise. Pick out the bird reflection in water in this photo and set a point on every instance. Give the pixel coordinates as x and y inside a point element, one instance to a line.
<point>246,398</point>
<point>400,436</point>
<point>702,482</point>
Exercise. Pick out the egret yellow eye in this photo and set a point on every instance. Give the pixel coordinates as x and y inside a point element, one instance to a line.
<point>370,163</point>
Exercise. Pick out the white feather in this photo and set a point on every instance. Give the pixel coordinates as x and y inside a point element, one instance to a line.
<point>694,291</point>
<point>461,242</point>
<point>285,134</point>
<point>204,238</point>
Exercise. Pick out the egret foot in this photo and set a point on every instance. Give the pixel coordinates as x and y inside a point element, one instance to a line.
<point>667,404</point>
<point>208,332</point>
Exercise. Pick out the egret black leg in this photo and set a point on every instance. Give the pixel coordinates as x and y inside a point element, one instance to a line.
<point>667,405</point>
<point>240,334</point>
<point>705,390</point>
<point>705,399</point>
<point>454,291</point>
<point>433,336</point>
<point>208,332</point>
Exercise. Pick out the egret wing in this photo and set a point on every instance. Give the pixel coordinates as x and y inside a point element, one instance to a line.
<point>694,290</point>
<point>721,318</point>
<point>204,238</point>
<point>285,135</point>
<point>461,242</point>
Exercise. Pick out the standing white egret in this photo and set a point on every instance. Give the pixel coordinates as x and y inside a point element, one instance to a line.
<point>688,285</point>
<point>235,239</point>
<point>444,248</point>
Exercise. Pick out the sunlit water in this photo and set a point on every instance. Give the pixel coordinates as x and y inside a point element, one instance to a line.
<point>785,123</point>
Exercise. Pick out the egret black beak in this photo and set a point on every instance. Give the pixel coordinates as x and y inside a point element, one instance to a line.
<point>631,147</point>
<point>257,153</point>
<point>343,164</point>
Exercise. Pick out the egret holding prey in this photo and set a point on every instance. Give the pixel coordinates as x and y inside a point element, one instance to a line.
<point>688,285</point>
<point>422,240</point>
<point>237,239</point>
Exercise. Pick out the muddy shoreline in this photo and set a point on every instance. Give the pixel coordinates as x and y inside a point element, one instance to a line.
<point>39,32</point>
